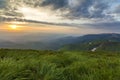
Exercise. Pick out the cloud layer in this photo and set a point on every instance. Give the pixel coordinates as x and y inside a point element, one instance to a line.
<point>62,11</point>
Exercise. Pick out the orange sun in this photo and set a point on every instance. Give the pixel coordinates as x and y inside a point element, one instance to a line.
<point>14,27</point>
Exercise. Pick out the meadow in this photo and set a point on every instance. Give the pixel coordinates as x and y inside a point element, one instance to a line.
<point>18,64</point>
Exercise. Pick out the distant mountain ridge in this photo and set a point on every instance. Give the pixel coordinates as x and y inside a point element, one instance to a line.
<point>91,42</point>
<point>95,42</point>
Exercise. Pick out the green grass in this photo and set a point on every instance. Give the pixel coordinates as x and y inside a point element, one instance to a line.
<point>58,65</point>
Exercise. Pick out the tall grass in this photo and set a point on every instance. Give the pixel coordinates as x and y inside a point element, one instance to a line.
<point>53,65</point>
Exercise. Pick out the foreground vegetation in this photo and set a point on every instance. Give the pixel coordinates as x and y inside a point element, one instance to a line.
<point>58,65</point>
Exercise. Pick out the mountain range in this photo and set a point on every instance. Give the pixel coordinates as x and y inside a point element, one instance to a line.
<point>91,42</point>
<point>95,42</point>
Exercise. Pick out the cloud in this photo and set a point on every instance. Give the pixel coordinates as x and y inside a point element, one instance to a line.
<point>67,11</point>
<point>3,3</point>
<point>115,12</point>
<point>110,26</point>
<point>56,4</point>
<point>117,9</point>
<point>77,9</point>
<point>8,10</point>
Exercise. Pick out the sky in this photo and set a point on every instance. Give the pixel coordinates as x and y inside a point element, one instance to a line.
<point>43,19</point>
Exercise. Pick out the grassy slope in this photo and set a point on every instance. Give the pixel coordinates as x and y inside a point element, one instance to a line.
<point>51,65</point>
<point>100,45</point>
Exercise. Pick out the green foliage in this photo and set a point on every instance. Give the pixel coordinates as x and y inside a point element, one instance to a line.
<point>100,45</point>
<point>58,65</point>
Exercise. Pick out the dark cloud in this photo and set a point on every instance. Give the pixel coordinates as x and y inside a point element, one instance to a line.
<point>15,14</point>
<point>117,9</point>
<point>87,9</point>
<point>56,4</point>
<point>80,10</point>
<point>3,3</point>
<point>105,25</point>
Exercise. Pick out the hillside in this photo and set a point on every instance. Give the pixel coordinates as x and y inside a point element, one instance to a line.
<point>93,46</point>
<point>100,42</point>
<point>80,42</point>
<point>57,65</point>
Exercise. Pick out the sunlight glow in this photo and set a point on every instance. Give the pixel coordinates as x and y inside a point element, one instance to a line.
<point>14,27</point>
<point>37,14</point>
<point>25,9</point>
